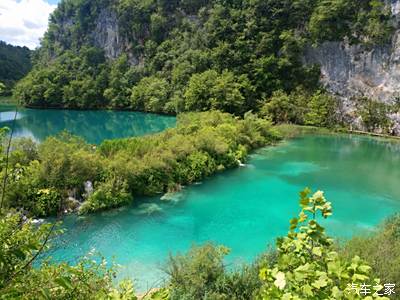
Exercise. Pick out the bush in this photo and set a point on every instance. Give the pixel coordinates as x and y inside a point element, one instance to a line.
<point>21,242</point>
<point>211,90</point>
<point>201,274</point>
<point>150,94</point>
<point>380,250</point>
<point>301,107</point>
<point>374,114</point>
<point>109,194</point>
<point>308,267</point>
<point>200,145</point>
<point>67,162</point>
<point>46,203</point>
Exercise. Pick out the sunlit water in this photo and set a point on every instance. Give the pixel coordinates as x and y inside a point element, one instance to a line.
<point>246,208</point>
<point>94,126</point>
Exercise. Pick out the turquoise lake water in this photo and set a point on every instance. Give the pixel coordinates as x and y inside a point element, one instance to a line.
<point>246,208</point>
<point>94,126</point>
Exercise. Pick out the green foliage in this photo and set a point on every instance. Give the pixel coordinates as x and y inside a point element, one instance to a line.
<point>194,275</point>
<point>201,144</point>
<point>210,90</point>
<point>280,108</point>
<point>380,250</point>
<point>47,202</point>
<point>194,55</point>
<point>118,91</point>
<point>301,107</point>
<point>366,21</point>
<point>2,88</point>
<point>307,266</point>
<point>109,194</point>
<point>66,162</point>
<point>40,179</point>
<point>21,242</point>
<point>71,80</point>
<point>201,274</point>
<point>15,63</point>
<point>321,110</point>
<point>374,115</point>
<point>44,179</point>
<point>150,94</point>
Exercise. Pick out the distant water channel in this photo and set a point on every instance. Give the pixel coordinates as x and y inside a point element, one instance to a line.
<point>94,126</point>
<point>246,208</point>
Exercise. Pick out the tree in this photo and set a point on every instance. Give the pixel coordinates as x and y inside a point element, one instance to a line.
<point>278,108</point>
<point>109,194</point>
<point>210,90</point>
<point>374,114</point>
<point>150,94</point>
<point>15,62</point>
<point>321,110</point>
<point>118,90</point>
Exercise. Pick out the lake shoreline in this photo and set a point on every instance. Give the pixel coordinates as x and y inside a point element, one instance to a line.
<point>251,203</point>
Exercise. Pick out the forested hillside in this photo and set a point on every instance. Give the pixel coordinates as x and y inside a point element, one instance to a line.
<point>185,55</point>
<point>15,63</point>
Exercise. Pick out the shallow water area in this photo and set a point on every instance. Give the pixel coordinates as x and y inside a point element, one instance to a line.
<point>245,208</point>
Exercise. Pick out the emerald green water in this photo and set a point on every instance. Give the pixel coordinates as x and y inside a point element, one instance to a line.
<point>93,126</point>
<point>246,208</point>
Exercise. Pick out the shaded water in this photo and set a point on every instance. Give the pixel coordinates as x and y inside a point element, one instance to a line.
<point>94,126</point>
<point>246,208</point>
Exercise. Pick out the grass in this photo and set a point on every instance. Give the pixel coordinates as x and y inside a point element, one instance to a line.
<point>292,130</point>
<point>8,100</point>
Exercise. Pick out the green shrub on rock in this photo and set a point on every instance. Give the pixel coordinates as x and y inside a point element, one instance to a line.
<point>109,194</point>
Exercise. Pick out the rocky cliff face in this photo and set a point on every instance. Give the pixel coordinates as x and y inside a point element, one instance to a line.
<point>350,71</point>
<point>106,34</point>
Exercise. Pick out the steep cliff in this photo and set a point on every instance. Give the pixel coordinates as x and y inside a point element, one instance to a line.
<point>106,34</point>
<point>354,71</point>
<point>184,55</point>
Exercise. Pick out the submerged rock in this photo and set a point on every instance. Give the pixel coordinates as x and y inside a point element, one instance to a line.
<point>71,204</point>
<point>173,197</point>
<point>148,209</point>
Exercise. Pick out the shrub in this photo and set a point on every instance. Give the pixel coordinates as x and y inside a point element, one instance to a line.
<point>380,250</point>
<point>109,194</point>
<point>307,266</point>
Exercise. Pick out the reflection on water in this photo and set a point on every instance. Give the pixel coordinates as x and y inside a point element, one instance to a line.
<point>93,126</point>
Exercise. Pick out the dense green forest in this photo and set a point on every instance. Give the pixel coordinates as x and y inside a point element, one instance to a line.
<point>183,55</point>
<point>15,63</point>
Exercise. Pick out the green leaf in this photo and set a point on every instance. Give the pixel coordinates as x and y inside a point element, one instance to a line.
<point>65,282</point>
<point>317,251</point>
<point>293,223</point>
<point>45,293</point>
<point>321,282</point>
